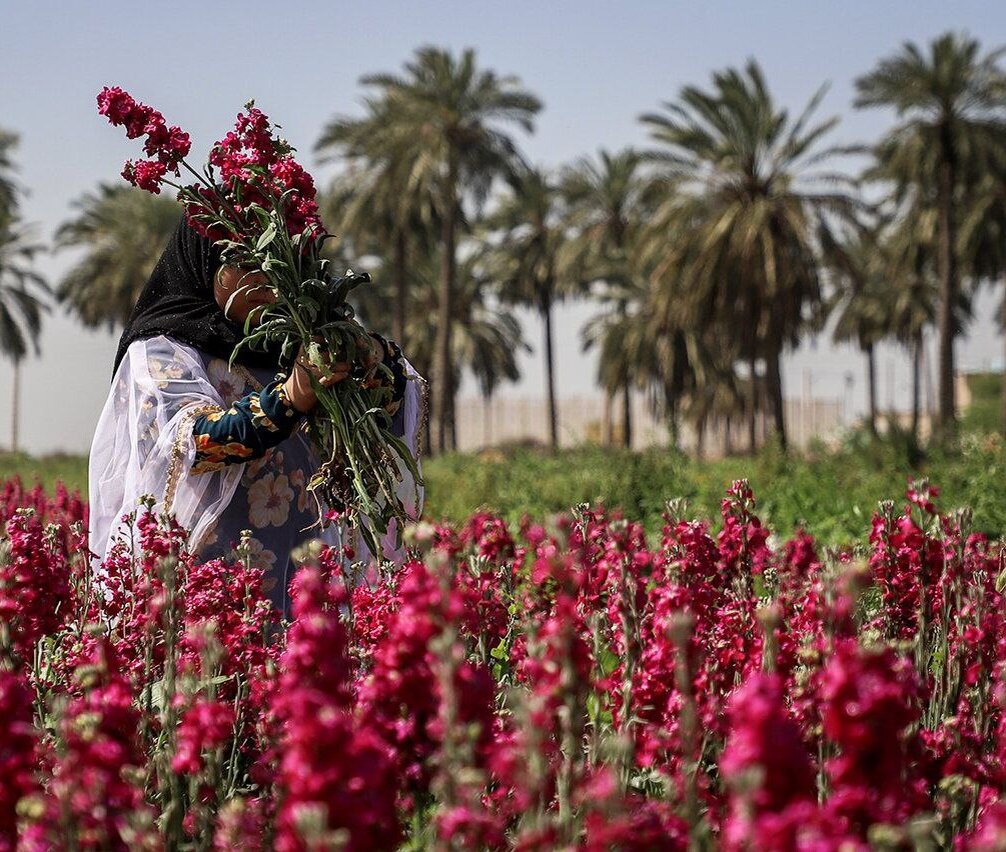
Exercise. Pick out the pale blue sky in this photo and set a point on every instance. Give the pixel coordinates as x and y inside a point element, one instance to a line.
<point>596,65</point>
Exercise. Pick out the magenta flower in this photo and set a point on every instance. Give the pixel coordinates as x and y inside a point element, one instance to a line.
<point>18,759</point>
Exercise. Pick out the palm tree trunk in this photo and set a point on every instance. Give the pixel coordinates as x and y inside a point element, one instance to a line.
<point>728,445</point>
<point>487,419</point>
<point>947,264</point>
<point>1002,381</point>
<point>15,408</point>
<point>773,382</point>
<point>871,388</point>
<point>675,426</point>
<point>916,384</point>
<point>401,288</point>
<point>700,438</point>
<point>627,416</point>
<point>607,427</point>
<point>445,312</point>
<point>553,423</point>
<point>452,423</point>
<point>753,407</point>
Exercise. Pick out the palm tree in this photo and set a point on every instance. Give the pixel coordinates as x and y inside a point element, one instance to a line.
<point>681,370</point>
<point>123,232</point>
<point>524,259</point>
<point>488,338</point>
<point>983,241</point>
<point>23,295</point>
<point>747,210</point>
<point>913,295</point>
<point>717,397</point>
<point>488,341</point>
<point>374,202</point>
<point>949,104</point>
<point>606,199</point>
<point>450,120</point>
<point>860,302</point>
<point>627,351</point>
<point>8,186</point>
<point>23,292</point>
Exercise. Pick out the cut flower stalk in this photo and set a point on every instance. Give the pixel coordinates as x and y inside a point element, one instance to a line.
<point>257,203</point>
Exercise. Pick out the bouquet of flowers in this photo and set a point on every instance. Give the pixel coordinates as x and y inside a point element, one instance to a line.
<point>258,204</point>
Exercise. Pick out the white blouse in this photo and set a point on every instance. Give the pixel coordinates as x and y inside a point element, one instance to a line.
<point>144,445</point>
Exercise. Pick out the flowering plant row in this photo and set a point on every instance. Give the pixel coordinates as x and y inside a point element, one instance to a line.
<point>259,206</point>
<point>571,686</point>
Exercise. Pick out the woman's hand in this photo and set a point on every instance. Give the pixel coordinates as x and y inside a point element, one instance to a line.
<point>373,356</point>
<point>242,293</point>
<point>298,387</point>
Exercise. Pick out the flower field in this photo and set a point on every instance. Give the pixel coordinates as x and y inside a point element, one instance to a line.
<point>566,685</point>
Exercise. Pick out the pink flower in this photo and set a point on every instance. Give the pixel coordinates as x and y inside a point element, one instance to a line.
<point>205,726</point>
<point>18,759</point>
<point>177,146</point>
<point>116,104</point>
<point>145,174</point>
<point>169,145</point>
<point>292,176</point>
<point>869,698</point>
<point>95,786</point>
<point>334,766</point>
<point>138,119</point>
<point>923,495</point>
<point>34,583</point>
<point>989,834</point>
<point>241,825</point>
<point>764,738</point>
<point>765,760</point>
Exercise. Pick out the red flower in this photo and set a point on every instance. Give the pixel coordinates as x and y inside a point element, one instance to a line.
<point>95,786</point>
<point>139,119</point>
<point>34,583</point>
<point>291,175</point>
<point>169,145</point>
<point>145,174</point>
<point>116,104</point>
<point>240,825</point>
<point>17,752</point>
<point>334,768</point>
<point>764,750</point>
<point>205,726</point>
<point>869,699</point>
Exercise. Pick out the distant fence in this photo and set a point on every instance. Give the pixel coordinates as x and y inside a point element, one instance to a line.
<point>587,419</point>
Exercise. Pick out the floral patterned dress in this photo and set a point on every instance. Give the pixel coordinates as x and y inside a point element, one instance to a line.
<point>271,500</point>
<point>221,450</point>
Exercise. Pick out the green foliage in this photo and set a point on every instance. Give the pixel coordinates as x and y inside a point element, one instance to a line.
<point>123,231</point>
<point>983,414</point>
<point>47,470</point>
<point>834,492</point>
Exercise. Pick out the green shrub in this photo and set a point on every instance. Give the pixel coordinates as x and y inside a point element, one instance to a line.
<point>833,492</point>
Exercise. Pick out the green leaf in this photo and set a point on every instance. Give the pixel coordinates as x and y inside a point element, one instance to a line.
<point>608,661</point>
<point>268,235</point>
<point>273,263</point>
<point>499,652</point>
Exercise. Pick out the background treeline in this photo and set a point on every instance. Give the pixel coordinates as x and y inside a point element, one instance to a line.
<point>739,229</point>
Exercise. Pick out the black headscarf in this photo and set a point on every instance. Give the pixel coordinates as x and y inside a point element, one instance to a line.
<point>177,301</point>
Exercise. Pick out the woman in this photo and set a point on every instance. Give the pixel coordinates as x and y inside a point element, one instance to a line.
<point>219,447</point>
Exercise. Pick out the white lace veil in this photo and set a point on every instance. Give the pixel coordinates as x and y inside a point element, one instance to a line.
<point>143,445</point>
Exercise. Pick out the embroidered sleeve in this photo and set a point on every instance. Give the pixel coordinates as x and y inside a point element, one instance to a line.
<point>245,431</point>
<point>390,372</point>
